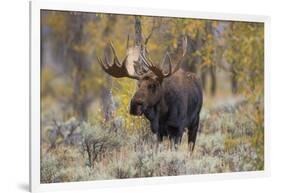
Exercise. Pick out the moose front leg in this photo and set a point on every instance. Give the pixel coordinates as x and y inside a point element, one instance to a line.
<point>152,115</point>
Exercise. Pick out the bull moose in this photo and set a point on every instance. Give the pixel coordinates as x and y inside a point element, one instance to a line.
<point>171,101</point>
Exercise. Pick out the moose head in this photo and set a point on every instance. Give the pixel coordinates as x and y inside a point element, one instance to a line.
<point>149,86</point>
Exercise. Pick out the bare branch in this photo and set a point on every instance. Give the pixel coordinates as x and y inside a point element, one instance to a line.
<point>153,28</point>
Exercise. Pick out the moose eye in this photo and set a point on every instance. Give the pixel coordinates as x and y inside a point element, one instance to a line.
<point>152,87</point>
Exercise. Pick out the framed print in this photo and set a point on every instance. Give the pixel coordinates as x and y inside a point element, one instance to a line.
<point>121,96</point>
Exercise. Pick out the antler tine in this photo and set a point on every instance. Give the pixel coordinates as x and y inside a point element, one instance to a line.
<point>115,59</point>
<point>128,41</point>
<point>170,61</point>
<point>164,59</point>
<point>101,63</point>
<point>167,55</point>
<point>184,47</point>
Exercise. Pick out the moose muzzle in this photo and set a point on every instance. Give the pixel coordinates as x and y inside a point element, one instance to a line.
<point>136,107</point>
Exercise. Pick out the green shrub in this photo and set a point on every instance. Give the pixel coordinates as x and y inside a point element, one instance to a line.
<point>97,140</point>
<point>48,168</point>
<point>74,173</point>
<point>121,169</point>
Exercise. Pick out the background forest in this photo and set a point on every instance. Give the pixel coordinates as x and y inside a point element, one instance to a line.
<point>86,130</point>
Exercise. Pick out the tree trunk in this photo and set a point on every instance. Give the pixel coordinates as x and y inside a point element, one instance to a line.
<point>138,32</point>
<point>80,66</point>
<point>203,79</point>
<point>106,95</point>
<point>234,84</point>
<point>213,80</point>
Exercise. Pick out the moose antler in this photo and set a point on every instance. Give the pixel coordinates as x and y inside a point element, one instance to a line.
<point>116,69</point>
<point>159,72</point>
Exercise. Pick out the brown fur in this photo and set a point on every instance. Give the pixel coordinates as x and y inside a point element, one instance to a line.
<point>171,105</point>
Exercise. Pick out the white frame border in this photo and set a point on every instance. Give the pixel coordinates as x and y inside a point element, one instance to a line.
<point>90,6</point>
